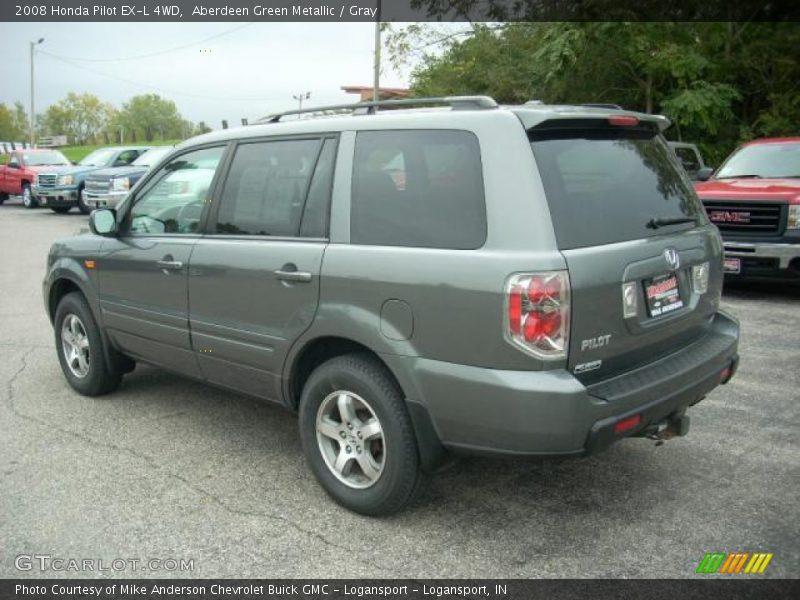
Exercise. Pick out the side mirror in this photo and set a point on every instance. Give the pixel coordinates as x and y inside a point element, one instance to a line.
<point>704,174</point>
<point>103,221</point>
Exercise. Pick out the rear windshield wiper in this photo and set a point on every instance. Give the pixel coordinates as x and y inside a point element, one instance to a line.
<point>657,222</point>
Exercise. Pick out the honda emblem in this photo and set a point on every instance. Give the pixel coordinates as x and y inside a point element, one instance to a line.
<point>673,258</point>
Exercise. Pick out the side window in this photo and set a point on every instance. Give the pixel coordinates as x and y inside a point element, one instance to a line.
<point>127,157</point>
<point>688,158</point>
<point>419,188</point>
<point>266,187</point>
<point>174,199</point>
<point>318,202</point>
<point>13,161</point>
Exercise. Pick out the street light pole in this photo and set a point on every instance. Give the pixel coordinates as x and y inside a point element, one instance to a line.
<point>300,97</point>
<point>33,105</point>
<point>376,75</point>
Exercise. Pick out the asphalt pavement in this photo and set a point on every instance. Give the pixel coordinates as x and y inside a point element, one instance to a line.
<point>169,469</point>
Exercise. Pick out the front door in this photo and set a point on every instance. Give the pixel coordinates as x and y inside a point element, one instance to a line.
<point>254,278</point>
<point>143,273</point>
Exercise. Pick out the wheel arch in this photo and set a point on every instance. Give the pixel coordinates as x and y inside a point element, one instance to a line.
<point>318,350</point>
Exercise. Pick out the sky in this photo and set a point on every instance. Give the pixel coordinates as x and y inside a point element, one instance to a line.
<point>250,71</point>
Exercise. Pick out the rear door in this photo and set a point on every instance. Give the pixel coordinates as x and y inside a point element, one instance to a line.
<point>254,278</point>
<point>633,234</point>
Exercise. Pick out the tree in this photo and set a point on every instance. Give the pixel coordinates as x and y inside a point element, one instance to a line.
<point>80,116</point>
<point>201,128</point>
<point>151,116</point>
<point>719,83</point>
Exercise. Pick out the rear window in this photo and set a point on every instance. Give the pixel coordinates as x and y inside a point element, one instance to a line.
<point>420,188</point>
<point>604,185</point>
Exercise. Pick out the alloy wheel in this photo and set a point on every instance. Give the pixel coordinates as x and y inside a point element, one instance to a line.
<point>350,439</point>
<point>75,345</point>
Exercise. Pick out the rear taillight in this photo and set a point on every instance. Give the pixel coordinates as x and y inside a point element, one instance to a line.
<point>537,313</point>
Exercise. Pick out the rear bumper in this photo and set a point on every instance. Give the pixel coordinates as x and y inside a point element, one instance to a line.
<point>551,413</point>
<point>760,260</point>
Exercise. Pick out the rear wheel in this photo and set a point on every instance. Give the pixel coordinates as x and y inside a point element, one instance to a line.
<point>61,210</point>
<point>28,200</point>
<point>357,436</point>
<point>80,348</point>
<point>82,206</point>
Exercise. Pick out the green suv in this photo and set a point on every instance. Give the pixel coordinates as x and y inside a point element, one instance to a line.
<point>467,278</point>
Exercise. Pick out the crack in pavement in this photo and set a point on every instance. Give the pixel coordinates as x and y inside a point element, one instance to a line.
<point>11,405</point>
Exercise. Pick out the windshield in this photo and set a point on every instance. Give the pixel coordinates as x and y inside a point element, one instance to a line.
<point>608,185</point>
<point>151,157</point>
<point>763,160</point>
<point>98,158</point>
<point>46,158</point>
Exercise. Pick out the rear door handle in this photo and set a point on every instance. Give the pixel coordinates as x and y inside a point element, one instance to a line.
<point>170,264</point>
<point>289,272</point>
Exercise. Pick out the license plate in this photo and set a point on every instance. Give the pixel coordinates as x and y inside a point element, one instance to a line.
<point>663,295</point>
<point>732,265</point>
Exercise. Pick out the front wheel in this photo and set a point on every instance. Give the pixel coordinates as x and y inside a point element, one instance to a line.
<point>82,206</point>
<point>80,348</point>
<point>28,201</point>
<point>357,436</point>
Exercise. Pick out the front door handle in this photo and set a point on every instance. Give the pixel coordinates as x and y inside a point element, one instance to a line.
<point>169,264</point>
<point>289,272</point>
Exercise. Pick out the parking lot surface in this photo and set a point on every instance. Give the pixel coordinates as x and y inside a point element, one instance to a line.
<point>169,468</point>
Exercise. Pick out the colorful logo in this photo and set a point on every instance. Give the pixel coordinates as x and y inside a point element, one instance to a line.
<point>734,562</point>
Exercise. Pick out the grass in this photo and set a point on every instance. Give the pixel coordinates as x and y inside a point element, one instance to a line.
<point>76,153</point>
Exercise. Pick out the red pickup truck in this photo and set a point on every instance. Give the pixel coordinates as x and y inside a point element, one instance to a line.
<point>754,200</point>
<point>19,173</point>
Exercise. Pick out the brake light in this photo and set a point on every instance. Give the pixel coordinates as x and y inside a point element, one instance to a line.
<point>537,313</point>
<point>623,121</point>
<point>627,424</point>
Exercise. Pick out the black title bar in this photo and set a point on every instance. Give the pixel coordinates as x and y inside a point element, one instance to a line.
<point>398,10</point>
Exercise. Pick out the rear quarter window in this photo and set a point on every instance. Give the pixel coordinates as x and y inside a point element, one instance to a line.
<point>420,188</point>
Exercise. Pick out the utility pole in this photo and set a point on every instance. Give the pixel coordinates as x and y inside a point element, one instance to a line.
<point>300,97</point>
<point>376,75</point>
<point>33,109</point>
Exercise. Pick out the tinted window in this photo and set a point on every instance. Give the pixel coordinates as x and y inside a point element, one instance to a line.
<point>688,158</point>
<point>266,187</point>
<point>174,199</point>
<point>315,215</point>
<point>418,188</point>
<point>13,161</point>
<point>151,157</point>
<point>98,158</point>
<point>605,185</point>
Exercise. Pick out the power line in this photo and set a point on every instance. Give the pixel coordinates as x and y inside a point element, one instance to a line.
<point>150,54</point>
<point>152,87</point>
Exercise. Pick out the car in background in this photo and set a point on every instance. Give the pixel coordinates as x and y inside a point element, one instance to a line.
<point>106,188</point>
<point>18,175</point>
<point>754,200</point>
<point>691,160</point>
<point>61,190</point>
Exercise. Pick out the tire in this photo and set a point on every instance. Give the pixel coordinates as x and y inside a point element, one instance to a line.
<point>61,210</point>
<point>392,478</point>
<point>81,354</point>
<point>82,206</point>
<point>3,197</point>
<point>28,201</point>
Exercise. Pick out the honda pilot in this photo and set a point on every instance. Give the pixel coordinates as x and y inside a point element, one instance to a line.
<point>447,277</point>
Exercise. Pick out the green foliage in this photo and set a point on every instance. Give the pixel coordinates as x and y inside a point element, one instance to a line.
<point>81,117</point>
<point>149,116</point>
<point>720,83</point>
<point>13,123</point>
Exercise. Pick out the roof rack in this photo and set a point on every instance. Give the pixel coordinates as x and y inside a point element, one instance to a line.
<point>368,108</point>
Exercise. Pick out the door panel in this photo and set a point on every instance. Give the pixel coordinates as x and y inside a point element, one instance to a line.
<point>244,316</point>
<point>144,303</point>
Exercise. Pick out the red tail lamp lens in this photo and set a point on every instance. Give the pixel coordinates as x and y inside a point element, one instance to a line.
<point>538,312</point>
<point>515,310</point>
<point>627,424</point>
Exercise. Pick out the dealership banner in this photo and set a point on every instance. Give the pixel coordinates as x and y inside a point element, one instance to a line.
<point>435,589</point>
<point>398,10</point>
